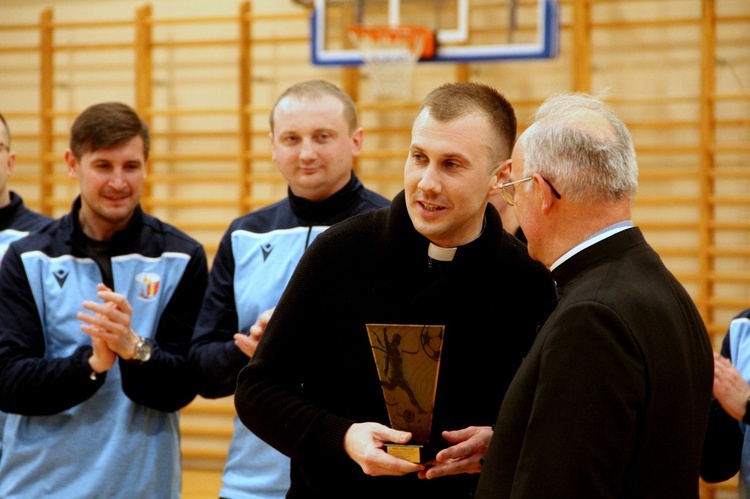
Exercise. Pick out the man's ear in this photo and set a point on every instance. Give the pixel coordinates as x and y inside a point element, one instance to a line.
<point>547,197</point>
<point>358,139</point>
<point>72,162</point>
<point>499,173</point>
<point>11,161</point>
<point>273,149</point>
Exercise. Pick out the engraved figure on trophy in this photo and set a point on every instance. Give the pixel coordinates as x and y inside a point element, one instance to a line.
<point>395,363</point>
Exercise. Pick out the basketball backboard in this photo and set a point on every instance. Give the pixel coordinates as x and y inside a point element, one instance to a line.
<point>465,30</point>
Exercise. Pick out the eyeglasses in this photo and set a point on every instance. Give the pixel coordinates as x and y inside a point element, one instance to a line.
<point>509,190</point>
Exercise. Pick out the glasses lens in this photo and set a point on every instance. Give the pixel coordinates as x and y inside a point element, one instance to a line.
<point>508,192</point>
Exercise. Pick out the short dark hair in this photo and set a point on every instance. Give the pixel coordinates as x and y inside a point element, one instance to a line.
<point>455,100</point>
<point>314,89</point>
<point>7,130</point>
<point>106,125</point>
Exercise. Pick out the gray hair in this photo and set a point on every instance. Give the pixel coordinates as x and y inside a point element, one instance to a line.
<point>579,145</point>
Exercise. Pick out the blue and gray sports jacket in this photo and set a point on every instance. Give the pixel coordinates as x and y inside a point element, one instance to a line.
<point>254,262</point>
<point>69,435</point>
<point>726,449</point>
<point>16,221</point>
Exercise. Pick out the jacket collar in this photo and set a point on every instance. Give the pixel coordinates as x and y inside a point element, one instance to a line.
<point>121,238</point>
<point>605,248</point>
<point>8,213</point>
<point>323,212</point>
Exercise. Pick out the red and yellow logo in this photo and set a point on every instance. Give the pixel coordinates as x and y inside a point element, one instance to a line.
<point>148,285</point>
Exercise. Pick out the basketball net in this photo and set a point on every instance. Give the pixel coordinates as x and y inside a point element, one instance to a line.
<point>390,54</point>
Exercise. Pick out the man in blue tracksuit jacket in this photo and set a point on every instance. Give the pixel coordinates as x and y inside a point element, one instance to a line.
<point>97,311</point>
<point>726,449</point>
<point>16,220</point>
<point>315,138</point>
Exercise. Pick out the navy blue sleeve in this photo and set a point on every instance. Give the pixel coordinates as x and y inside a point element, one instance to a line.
<point>214,357</point>
<point>722,447</point>
<point>31,384</point>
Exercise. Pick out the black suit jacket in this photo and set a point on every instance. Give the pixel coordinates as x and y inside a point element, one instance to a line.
<point>613,398</point>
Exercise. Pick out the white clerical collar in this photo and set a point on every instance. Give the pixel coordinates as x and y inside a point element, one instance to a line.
<point>441,254</point>
<point>593,239</point>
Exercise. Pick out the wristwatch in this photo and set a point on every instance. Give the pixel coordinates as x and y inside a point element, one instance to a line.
<point>142,350</point>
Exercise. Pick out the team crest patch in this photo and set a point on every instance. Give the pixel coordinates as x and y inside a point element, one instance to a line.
<point>148,285</point>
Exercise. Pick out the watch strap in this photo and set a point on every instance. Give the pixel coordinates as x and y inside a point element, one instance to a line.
<point>142,350</point>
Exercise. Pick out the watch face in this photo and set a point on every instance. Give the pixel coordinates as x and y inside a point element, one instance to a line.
<point>142,351</point>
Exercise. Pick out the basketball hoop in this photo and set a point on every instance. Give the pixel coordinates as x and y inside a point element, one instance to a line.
<point>390,54</point>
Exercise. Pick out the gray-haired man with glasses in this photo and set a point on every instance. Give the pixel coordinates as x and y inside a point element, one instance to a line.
<point>613,398</point>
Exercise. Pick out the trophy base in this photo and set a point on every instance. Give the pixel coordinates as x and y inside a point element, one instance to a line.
<point>411,453</point>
